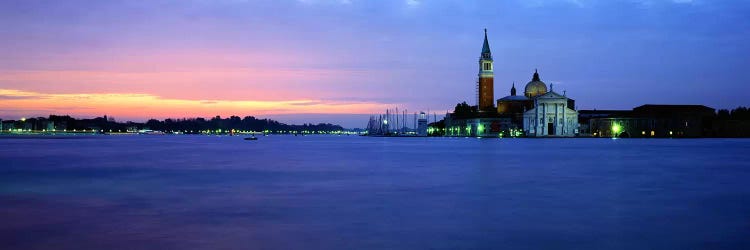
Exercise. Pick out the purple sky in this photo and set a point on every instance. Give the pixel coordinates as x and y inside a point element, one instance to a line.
<point>329,59</point>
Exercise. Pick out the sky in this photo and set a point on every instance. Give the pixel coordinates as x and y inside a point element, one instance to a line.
<point>337,61</point>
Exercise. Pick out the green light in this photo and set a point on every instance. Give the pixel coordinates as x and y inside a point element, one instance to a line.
<point>616,128</point>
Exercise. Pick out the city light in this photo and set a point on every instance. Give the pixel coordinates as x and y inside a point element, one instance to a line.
<point>616,129</point>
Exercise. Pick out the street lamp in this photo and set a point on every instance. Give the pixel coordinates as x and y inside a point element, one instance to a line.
<point>616,129</point>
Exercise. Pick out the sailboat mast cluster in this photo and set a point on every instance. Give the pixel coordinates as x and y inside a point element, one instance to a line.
<point>396,123</point>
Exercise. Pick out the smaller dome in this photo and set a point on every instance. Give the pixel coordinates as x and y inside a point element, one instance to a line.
<point>535,87</point>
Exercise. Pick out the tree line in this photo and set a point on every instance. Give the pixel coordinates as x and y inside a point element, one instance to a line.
<point>106,124</point>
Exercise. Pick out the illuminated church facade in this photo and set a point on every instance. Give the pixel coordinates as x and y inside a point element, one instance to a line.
<point>540,112</point>
<point>551,116</point>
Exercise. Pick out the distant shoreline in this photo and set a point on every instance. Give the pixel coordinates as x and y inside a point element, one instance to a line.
<point>63,136</point>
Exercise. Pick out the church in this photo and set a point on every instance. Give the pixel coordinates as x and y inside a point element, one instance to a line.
<point>539,112</point>
<point>553,114</point>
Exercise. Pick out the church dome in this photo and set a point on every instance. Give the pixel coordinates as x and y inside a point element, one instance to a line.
<point>535,87</point>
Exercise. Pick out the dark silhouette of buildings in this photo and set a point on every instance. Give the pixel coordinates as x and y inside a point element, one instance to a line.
<point>649,121</point>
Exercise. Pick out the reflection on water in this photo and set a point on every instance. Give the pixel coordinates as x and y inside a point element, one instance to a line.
<point>347,192</point>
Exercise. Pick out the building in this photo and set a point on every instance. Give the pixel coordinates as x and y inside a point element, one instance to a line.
<point>513,103</point>
<point>650,121</point>
<point>422,124</point>
<point>584,116</point>
<point>539,112</point>
<point>8,126</point>
<point>483,119</point>
<point>551,116</point>
<point>513,107</point>
<point>485,84</point>
<point>542,112</point>
<point>477,126</point>
<point>515,115</point>
<point>535,87</point>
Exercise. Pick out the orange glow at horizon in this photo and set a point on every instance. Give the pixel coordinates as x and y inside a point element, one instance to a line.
<point>152,106</point>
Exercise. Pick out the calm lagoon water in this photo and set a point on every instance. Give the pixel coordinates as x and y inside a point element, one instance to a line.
<point>349,192</point>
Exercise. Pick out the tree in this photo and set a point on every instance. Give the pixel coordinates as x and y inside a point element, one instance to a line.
<point>464,110</point>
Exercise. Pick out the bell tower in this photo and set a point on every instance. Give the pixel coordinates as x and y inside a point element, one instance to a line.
<point>485,88</point>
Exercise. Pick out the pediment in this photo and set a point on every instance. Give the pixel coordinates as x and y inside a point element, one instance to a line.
<point>552,95</point>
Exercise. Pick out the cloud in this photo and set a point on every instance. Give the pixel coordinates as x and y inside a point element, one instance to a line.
<point>9,97</point>
<point>542,3</point>
<point>652,2</point>
<point>306,103</point>
<point>8,94</point>
<point>584,3</point>
<point>325,1</point>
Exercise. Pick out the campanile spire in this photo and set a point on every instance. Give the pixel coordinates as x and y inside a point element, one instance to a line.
<point>486,53</point>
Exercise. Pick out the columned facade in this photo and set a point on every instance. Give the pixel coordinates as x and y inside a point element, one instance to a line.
<point>550,116</point>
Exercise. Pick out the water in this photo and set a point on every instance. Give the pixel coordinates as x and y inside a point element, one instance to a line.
<point>348,192</point>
